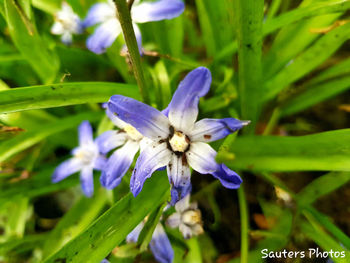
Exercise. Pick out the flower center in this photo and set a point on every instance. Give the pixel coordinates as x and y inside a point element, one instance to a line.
<point>86,156</point>
<point>179,142</point>
<point>132,133</point>
<point>191,217</point>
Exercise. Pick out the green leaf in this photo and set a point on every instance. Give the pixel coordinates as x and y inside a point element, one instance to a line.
<point>29,43</point>
<point>316,9</point>
<point>109,230</point>
<point>327,224</point>
<point>28,139</point>
<point>27,243</point>
<point>57,95</point>
<point>308,60</point>
<point>315,232</point>
<point>207,25</point>
<point>249,19</point>
<point>286,46</point>
<point>327,151</point>
<point>74,222</point>
<point>51,6</point>
<point>38,184</point>
<point>321,186</point>
<point>288,18</point>
<point>315,94</point>
<point>151,224</point>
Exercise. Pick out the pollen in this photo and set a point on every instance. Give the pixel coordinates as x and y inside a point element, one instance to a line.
<point>179,142</point>
<point>132,133</point>
<point>192,217</point>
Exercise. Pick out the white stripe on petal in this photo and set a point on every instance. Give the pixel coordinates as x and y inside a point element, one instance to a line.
<point>178,171</point>
<point>104,36</point>
<point>201,157</point>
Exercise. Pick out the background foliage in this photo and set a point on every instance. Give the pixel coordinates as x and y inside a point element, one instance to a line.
<point>282,64</point>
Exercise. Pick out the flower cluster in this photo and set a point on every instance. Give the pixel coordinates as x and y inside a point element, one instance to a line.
<point>104,14</point>
<point>176,140</point>
<point>171,138</point>
<point>187,218</point>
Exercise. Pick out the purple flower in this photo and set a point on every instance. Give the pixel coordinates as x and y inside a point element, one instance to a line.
<point>178,141</point>
<point>105,14</point>
<point>159,245</point>
<point>66,24</point>
<point>187,218</point>
<point>129,140</point>
<point>86,158</point>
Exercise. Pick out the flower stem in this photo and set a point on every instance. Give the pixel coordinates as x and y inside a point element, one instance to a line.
<point>130,40</point>
<point>243,208</point>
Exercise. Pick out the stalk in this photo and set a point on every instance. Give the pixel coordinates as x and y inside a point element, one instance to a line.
<point>130,40</point>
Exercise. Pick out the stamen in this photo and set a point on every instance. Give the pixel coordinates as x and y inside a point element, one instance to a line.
<point>133,133</point>
<point>179,142</point>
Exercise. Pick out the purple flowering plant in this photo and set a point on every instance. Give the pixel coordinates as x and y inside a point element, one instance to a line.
<point>174,131</point>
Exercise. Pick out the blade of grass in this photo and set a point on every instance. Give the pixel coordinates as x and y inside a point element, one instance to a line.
<point>315,94</point>
<point>25,140</point>
<point>243,208</point>
<point>74,222</point>
<point>57,95</point>
<point>110,229</point>
<point>327,151</point>
<point>307,61</point>
<point>249,19</point>
<point>26,38</point>
<point>38,184</point>
<point>327,224</point>
<point>322,186</point>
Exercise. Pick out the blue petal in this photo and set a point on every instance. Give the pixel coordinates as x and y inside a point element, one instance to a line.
<point>177,193</point>
<point>161,246</point>
<point>109,140</point>
<point>85,133</point>
<point>104,36</point>
<point>147,120</point>
<point>105,261</point>
<point>178,171</point>
<point>65,169</point>
<point>98,13</point>
<point>227,177</point>
<point>116,121</point>
<point>151,158</point>
<point>87,181</point>
<point>118,164</point>
<point>133,236</point>
<point>156,11</point>
<point>183,108</point>
<point>201,158</point>
<point>100,163</point>
<point>208,130</point>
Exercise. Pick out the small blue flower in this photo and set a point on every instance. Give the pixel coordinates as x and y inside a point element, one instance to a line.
<point>66,24</point>
<point>187,218</point>
<point>119,162</point>
<point>105,14</point>
<point>159,245</point>
<point>178,141</point>
<point>86,158</point>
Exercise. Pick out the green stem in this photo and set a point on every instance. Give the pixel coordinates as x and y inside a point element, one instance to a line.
<point>272,122</point>
<point>244,225</point>
<point>130,40</point>
<point>249,18</point>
